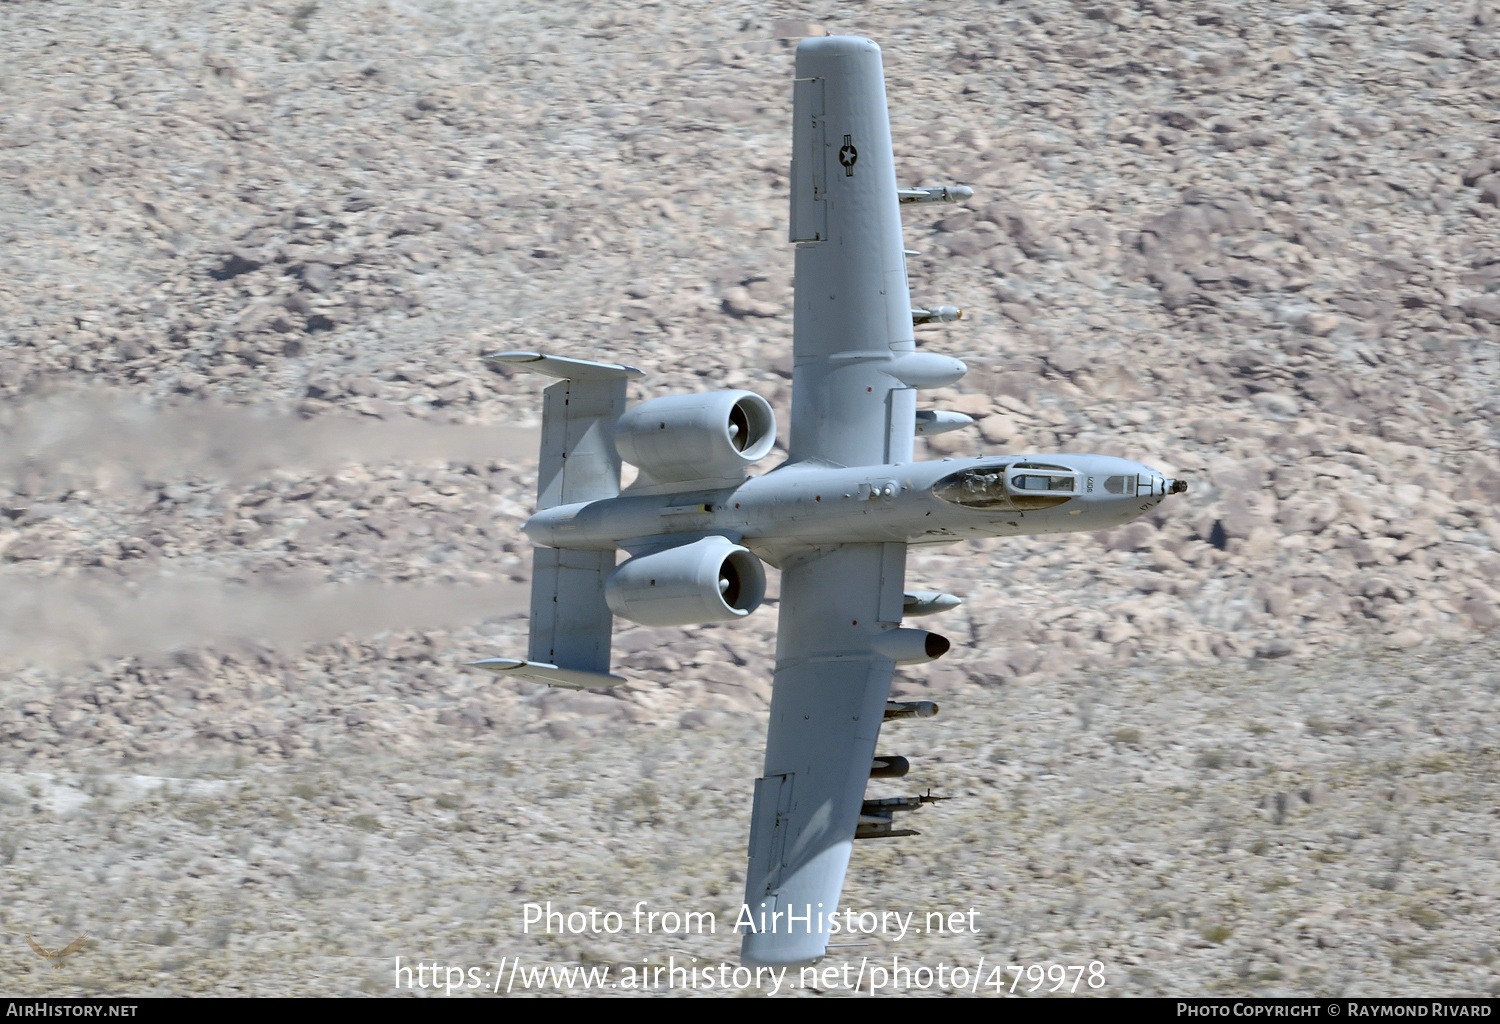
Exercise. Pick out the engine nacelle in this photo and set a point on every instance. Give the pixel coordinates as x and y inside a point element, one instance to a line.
<point>709,580</point>
<point>696,437</point>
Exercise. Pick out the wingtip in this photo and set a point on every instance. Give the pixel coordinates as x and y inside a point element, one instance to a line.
<point>837,46</point>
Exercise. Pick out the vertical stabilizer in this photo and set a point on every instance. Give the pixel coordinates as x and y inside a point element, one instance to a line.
<point>578,458</point>
<point>571,624</point>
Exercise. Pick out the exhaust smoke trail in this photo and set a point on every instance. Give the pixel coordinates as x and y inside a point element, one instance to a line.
<point>106,442</point>
<point>109,446</point>
<point>67,623</point>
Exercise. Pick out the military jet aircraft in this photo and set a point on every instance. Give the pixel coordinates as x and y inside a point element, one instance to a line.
<point>837,518</point>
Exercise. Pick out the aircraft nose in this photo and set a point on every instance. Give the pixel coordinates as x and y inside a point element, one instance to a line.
<point>1161,486</point>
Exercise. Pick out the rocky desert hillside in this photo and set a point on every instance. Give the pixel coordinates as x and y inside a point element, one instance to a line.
<point>260,496</point>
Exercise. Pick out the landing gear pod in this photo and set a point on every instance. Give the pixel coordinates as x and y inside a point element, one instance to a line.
<point>710,580</point>
<point>911,646</point>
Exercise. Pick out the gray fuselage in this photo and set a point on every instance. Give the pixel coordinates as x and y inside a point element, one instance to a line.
<point>806,505</point>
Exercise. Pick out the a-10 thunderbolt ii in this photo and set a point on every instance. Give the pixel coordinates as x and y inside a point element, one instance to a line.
<point>837,518</point>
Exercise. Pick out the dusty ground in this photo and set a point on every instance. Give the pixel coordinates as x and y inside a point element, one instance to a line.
<point>260,496</point>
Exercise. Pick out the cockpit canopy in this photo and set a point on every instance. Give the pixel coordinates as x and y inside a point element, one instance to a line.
<point>1022,486</point>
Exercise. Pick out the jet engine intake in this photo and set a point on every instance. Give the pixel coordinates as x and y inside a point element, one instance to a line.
<point>696,437</point>
<point>709,580</point>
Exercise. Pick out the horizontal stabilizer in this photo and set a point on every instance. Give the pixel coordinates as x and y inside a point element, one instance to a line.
<point>539,672</point>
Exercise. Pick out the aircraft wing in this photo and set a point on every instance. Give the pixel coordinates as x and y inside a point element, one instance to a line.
<point>855,362</point>
<point>827,705</point>
<point>855,368</point>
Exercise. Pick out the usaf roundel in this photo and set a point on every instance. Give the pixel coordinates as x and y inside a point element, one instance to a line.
<point>848,155</point>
